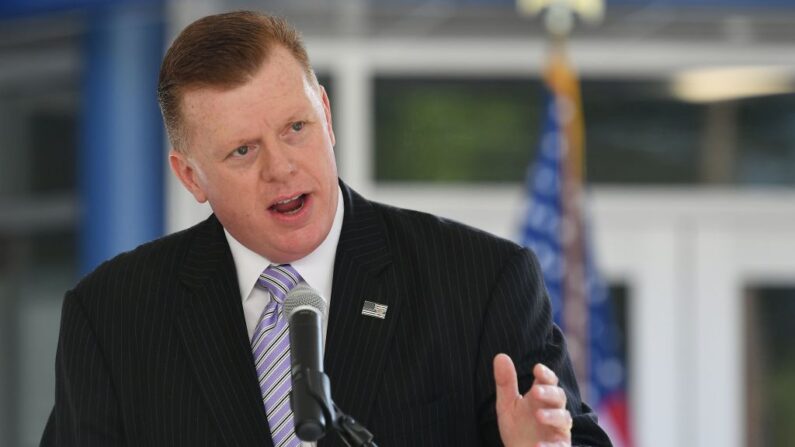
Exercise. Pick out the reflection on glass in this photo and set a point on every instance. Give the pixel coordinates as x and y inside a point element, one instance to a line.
<point>766,134</point>
<point>770,366</point>
<point>39,119</point>
<point>54,156</point>
<point>487,130</point>
<point>637,133</point>
<point>455,130</point>
<point>619,299</point>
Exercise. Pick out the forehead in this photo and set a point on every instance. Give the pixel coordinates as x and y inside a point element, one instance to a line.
<point>279,87</point>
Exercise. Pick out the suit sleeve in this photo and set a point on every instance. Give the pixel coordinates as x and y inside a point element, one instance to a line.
<point>86,411</point>
<point>518,322</point>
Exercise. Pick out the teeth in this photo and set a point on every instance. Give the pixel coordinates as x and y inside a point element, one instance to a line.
<point>288,200</point>
<point>295,210</point>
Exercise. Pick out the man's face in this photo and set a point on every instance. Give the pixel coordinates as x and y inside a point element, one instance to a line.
<point>262,155</point>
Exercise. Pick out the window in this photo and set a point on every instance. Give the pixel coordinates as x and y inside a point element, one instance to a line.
<point>487,130</point>
<point>455,130</point>
<point>766,136</point>
<point>770,366</point>
<point>39,109</point>
<point>449,130</point>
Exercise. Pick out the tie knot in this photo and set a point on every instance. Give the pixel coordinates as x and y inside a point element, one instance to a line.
<point>279,280</point>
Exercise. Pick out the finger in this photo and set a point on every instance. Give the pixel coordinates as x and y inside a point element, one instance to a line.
<point>507,384</point>
<point>550,396</point>
<point>544,375</point>
<point>558,418</point>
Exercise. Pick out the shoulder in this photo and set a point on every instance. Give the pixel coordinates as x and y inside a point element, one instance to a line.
<point>420,238</point>
<point>153,262</point>
<point>405,224</point>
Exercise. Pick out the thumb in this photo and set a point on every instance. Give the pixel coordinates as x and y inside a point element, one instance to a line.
<point>507,385</point>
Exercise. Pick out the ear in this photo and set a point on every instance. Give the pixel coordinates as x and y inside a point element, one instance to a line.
<point>183,168</point>
<point>327,111</point>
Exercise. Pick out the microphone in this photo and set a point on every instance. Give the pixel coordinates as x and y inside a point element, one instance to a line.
<point>306,310</point>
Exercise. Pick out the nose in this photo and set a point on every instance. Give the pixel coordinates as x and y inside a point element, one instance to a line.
<point>278,163</point>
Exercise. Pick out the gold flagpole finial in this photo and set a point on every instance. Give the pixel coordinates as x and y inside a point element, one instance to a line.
<point>560,14</point>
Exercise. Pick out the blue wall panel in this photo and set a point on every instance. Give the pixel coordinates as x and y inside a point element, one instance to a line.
<point>122,155</point>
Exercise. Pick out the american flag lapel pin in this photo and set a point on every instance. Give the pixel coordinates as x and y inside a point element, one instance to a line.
<point>374,310</point>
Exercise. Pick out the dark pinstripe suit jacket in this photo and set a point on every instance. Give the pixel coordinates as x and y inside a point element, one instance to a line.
<point>153,349</point>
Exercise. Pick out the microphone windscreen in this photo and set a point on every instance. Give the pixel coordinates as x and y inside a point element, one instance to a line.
<point>302,296</point>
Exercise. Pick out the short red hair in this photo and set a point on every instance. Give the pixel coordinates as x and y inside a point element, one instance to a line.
<point>222,51</point>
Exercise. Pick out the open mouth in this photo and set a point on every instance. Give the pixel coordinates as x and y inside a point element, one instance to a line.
<point>289,206</point>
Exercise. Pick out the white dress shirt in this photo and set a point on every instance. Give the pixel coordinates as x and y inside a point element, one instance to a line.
<point>316,268</point>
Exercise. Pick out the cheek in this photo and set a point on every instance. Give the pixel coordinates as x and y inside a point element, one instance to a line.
<point>237,209</point>
<point>325,161</point>
<point>226,191</point>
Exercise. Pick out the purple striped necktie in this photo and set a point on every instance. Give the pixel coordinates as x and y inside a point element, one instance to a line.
<point>271,348</point>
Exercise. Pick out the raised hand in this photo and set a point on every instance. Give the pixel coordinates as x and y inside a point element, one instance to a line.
<point>537,419</point>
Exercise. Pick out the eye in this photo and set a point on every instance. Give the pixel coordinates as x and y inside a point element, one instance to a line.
<point>240,151</point>
<point>297,126</point>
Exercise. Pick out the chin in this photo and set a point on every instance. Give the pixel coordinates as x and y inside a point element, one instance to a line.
<point>298,249</point>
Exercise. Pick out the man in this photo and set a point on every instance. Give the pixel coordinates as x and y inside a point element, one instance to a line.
<point>181,341</point>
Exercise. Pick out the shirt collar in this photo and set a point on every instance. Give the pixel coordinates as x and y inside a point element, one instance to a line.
<point>317,268</point>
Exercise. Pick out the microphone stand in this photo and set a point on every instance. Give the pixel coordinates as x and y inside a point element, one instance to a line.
<point>352,433</point>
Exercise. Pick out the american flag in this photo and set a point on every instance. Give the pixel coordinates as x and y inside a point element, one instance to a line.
<point>554,227</point>
<point>376,310</point>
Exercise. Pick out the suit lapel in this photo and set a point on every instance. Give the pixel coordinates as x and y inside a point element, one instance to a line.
<point>214,334</point>
<point>357,345</point>
<point>213,326</point>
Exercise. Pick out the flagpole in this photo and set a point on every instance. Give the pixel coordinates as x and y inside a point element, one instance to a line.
<point>555,225</point>
<point>563,87</point>
<point>562,83</point>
